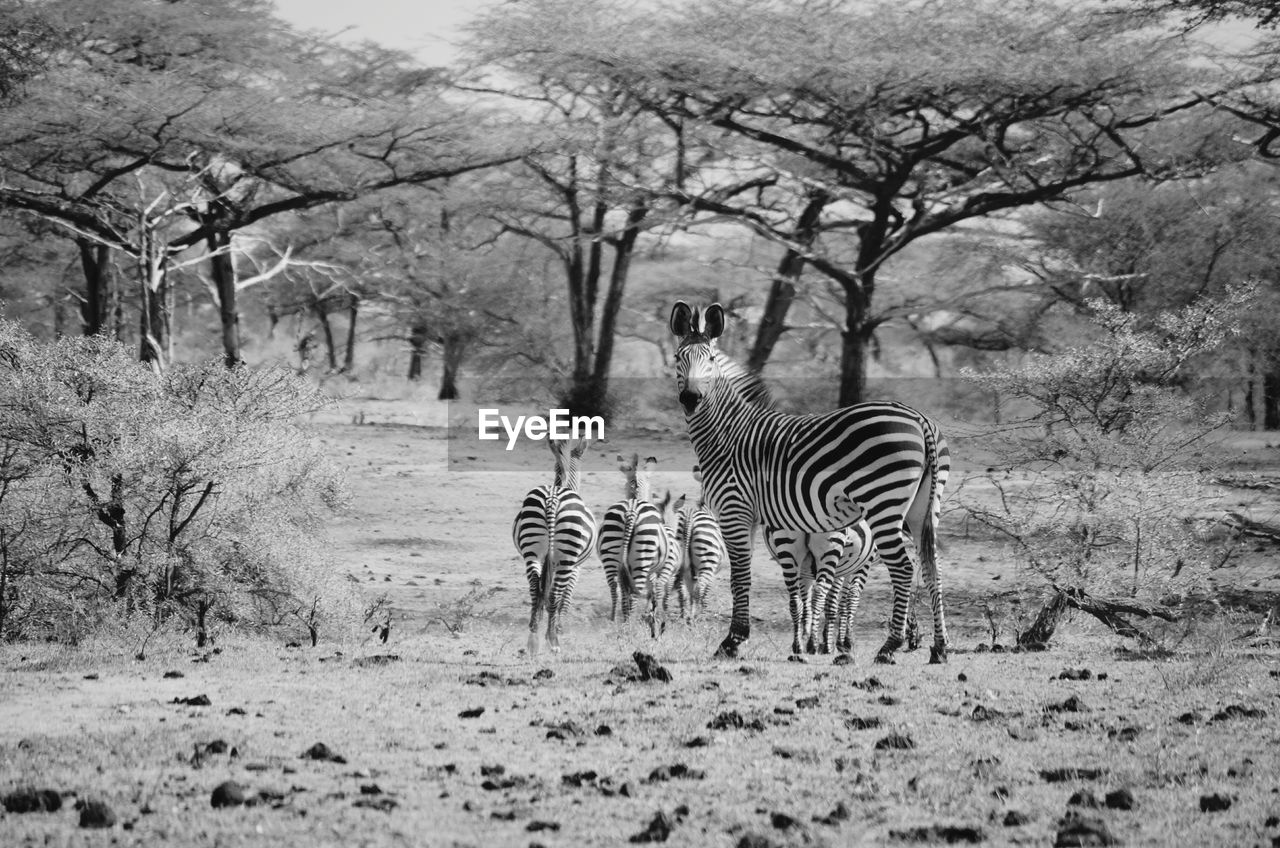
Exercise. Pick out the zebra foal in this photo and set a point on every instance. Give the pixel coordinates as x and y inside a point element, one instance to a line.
<point>553,532</point>
<point>824,574</point>
<point>881,462</point>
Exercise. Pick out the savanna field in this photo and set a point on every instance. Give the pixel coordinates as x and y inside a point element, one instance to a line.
<point>447,734</point>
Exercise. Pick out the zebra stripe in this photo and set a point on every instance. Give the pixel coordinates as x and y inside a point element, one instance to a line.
<point>553,531</point>
<point>881,462</point>
<point>634,545</point>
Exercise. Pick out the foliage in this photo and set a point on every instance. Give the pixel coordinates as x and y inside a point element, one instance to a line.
<point>1110,464</point>
<point>128,495</point>
<point>888,122</point>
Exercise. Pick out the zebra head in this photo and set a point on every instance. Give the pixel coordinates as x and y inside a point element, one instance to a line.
<point>696,369</point>
<point>568,454</point>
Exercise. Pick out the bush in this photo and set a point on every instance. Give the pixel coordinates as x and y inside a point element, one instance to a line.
<point>1098,492</point>
<point>189,497</point>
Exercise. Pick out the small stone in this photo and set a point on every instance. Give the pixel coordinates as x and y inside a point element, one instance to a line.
<point>650,669</point>
<point>536,826</point>
<point>658,830</point>
<point>1084,798</point>
<point>1079,831</point>
<point>473,712</point>
<point>96,815</point>
<point>782,821</point>
<point>228,794</point>
<point>322,752</point>
<point>1015,818</point>
<point>32,801</point>
<point>1215,803</point>
<point>895,742</point>
<point>173,675</point>
<point>1120,799</point>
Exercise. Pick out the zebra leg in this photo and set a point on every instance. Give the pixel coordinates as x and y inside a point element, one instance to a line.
<point>850,596</point>
<point>893,550</point>
<point>796,604</point>
<point>922,518</point>
<point>825,597</point>
<point>533,572</point>
<point>929,573</point>
<point>563,595</point>
<point>738,531</point>
<point>611,578</point>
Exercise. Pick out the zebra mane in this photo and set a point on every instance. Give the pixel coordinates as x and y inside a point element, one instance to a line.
<point>747,384</point>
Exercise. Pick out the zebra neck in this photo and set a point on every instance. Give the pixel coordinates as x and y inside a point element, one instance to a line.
<point>568,474</point>
<point>721,421</point>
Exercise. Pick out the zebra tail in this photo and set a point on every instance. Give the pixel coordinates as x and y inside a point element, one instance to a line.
<point>929,530</point>
<point>549,560</point>
<point>625,578</point>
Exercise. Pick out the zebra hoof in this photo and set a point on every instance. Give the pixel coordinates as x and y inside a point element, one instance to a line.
<point>885,658</point>
<point>843,659</point>
<point>938,655</point>
<point>727,651</point>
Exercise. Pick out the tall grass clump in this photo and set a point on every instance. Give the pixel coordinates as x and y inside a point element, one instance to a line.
<point>1099,489</point>
<point>135,501</point>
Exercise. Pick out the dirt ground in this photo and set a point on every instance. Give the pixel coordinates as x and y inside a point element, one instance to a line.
<point>448,735</point>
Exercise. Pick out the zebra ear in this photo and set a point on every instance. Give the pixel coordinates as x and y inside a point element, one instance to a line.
<point>697,473</point>
<point>679,504</point>
<point>681,319</point>
<point>650,463</point>
<point>713,321</point>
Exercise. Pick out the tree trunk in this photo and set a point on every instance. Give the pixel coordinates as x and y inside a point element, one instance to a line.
<point>782,292</point>
<point>223,271</point>
<point>4,582</point>
<point>855,340</point>
<point>454,352</point>
<point>349,352</point>
<point>418,339</point>
<point>591,396</point>
<point>1037,636</point>
<point>202,631</point>
<point>95,261</point>
<point>326,329</point>
<point>153,319</point>
<point>1271,396</point>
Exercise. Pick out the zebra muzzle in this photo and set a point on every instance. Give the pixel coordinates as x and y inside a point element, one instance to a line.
<point>689,400</point>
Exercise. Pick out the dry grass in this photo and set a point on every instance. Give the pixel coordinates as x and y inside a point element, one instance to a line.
<point>981,744</point>
<point>984,727</point>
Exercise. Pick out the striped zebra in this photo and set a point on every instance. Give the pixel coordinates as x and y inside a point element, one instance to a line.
<point>883,462</point>
<point>824,575</point>
<point>553,532</point>
<point>634,545</point>
<point>701,550</point>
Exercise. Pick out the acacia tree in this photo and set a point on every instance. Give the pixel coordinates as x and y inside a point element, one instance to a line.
<point>914,117</point>
<point>243,118</point>
<point>598,175</point>
<point>1146,248</point>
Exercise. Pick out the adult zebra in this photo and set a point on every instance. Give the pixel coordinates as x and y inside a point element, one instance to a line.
<point>884,462</point>
<point>553,532</point>
<point>824,574</point>
<point>634,544</point>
